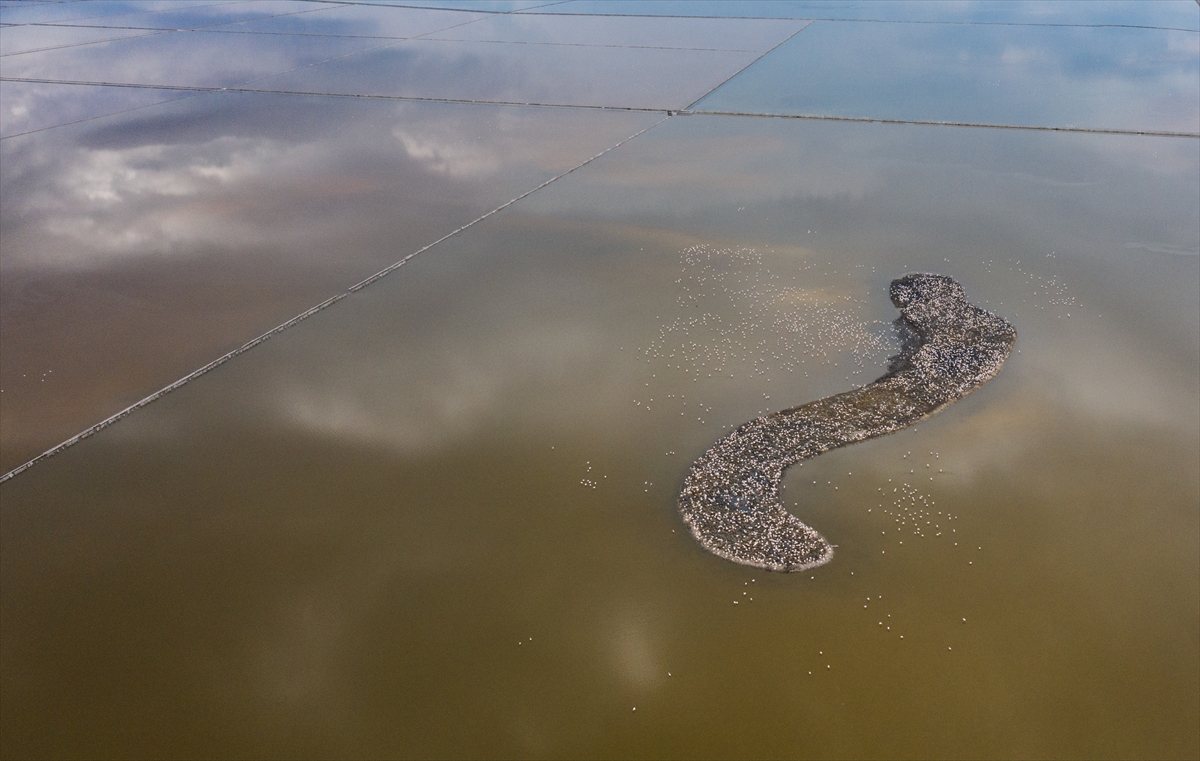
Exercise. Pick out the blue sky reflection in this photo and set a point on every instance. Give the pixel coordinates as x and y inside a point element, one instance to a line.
<point>1099,78</point>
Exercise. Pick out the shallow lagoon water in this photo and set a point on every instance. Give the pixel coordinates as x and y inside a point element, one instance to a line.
<point>162,240</point>
<point>438,518</point>
<point>979,74</point>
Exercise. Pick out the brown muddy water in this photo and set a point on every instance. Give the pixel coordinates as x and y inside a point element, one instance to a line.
<point>439,518</point>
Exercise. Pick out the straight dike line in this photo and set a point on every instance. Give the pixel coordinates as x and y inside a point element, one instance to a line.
<point>301,317</point>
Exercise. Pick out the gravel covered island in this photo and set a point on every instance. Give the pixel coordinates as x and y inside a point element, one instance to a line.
<point>730,498</point>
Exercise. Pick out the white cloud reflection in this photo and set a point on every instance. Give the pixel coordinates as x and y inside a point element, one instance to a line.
<point>445,390</point>
<point>885,199</point>
<point>160,200</point>
<point>235,175</point>
<point>633,652</point>
<point>1089,77</point>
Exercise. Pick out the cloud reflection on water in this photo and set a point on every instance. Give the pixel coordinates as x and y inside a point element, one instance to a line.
<point>218,217</point>
<point>1173,13</point>
<point>1097,78</point>
<point>169,184</point>
<point>1040,238</point>
<point>332,545</point>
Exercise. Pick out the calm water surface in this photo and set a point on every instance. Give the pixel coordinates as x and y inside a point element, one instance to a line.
<point>139,249</point>
<point>438,519</point>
